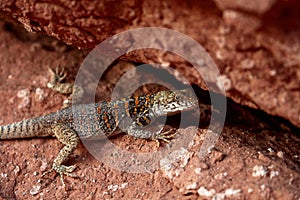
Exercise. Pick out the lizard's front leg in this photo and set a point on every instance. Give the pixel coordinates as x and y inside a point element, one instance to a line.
<point>144,120</point>
<point>69,138</point>
<point>136,131</point>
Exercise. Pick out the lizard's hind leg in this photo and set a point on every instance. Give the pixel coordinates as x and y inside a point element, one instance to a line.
<point>69,138</point>
<point>56,83</point>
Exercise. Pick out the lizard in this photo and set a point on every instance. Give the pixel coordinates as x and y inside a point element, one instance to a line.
<point>98,120</point>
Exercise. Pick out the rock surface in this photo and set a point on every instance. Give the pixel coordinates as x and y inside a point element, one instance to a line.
<point>257,155</point>
<point>251,42</point>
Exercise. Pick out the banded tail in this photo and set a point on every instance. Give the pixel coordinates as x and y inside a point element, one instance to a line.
<point>24,129</point>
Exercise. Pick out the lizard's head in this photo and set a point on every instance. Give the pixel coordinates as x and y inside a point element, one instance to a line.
<point>174,101</point>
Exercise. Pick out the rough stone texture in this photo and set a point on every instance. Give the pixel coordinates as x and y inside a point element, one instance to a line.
<point>245,23</point>
<point>252,51</point>
<point>257,155</point>
<point>80,23</point>
<point>255,6</point>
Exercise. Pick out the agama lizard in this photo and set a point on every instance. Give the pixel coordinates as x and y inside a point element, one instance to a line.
<point>99,119</point>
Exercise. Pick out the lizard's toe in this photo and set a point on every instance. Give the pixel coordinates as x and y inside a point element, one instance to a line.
<point>56,75</point>
<point>63,170</point>
<point>165,136</point>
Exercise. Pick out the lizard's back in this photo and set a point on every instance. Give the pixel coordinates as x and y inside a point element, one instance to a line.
<point>90,121</point>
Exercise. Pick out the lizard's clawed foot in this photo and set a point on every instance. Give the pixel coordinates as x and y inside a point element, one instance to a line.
<point>164,136</point>
<point>62,170</point>
<point>56,81</point>
<point>57,76</point>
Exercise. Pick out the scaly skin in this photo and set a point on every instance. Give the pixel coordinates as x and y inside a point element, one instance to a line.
<point>95,121</point>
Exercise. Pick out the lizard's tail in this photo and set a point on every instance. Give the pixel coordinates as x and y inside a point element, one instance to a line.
<point>23,129</point>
